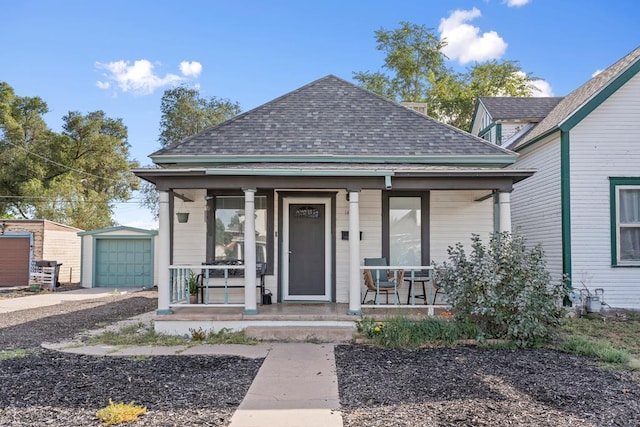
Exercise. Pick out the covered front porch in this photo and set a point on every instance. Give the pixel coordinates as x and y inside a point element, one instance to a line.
<point>230,291</point>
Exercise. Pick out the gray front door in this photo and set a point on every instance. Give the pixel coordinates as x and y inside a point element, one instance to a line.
<point>307,251</point>
<point>307,257</point>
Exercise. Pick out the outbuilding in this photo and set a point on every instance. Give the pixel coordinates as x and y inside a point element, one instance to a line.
<point>121,257</point>
<point>25,240</point>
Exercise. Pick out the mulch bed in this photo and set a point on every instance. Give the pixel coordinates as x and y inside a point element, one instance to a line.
<point>49,388</point>
<point>52,388</point>
<point>468,386</point>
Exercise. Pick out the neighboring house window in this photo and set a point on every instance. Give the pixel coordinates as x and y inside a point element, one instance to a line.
<point>405,228</point>
<point>625,219</point>
<point>226,227</point>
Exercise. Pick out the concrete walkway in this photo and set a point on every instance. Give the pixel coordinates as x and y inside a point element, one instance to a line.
<point>52,298</point>
<point>296,385</point>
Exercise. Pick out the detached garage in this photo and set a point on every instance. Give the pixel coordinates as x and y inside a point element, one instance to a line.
<point>25,240</point>
<point>118,257</point>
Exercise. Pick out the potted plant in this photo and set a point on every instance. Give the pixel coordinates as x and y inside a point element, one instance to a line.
<point>192,286</point>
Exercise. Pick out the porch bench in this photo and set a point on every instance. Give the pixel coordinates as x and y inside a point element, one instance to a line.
<point>261,270</point>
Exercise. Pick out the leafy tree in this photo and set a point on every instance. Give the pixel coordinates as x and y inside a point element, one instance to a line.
<point>417,73</point>
<point>414,58</point>
<point>72,177</point>
<point>185,113</point>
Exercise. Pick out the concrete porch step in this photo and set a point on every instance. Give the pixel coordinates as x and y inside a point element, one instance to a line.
<point>301,333</point>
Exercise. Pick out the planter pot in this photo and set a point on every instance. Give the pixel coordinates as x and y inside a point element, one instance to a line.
<point>193,299</point>
<point>182,216</point>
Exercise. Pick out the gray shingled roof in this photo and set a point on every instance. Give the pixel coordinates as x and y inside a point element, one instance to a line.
<point>580,96</point>
<point>532,109</point>
<point>331,116</point>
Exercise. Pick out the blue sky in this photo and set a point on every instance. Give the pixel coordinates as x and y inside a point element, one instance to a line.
<point>119,56</point>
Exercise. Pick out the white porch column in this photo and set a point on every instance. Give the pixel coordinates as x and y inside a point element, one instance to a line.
<point>164,238</point>
<point>354,253</point>
<point>504,204</point>
<point>250,306</point>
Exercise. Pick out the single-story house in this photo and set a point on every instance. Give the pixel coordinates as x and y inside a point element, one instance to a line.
<point>25,240</point>
<point>583,203</point>
<point>309,185</point>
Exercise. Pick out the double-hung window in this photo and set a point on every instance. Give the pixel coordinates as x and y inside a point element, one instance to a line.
<point>625,221</point>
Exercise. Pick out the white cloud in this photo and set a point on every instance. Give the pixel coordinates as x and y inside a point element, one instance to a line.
<point>544,88</point>
<point>138,77</point>
<point>465,43</point>
<point>516,3</point>
<point>103,85</point>
<point>595,73</point>
<point>190,69</point>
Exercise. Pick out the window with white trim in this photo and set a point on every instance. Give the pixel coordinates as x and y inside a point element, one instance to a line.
<point>626,221</point>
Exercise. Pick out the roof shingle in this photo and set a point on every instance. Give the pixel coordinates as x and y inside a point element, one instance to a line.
<point>572,102</point>
<point>531,109</point>
<point>331,116</point>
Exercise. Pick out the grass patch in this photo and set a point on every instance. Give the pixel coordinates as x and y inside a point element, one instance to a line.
<point>225,336</point>
<point>13,354</point>
<point>403,332</point>
<point>614,339</point>
<point>137,336</point>
<point>602,350</point>
<point>119,413</point>
<point>620,332</point>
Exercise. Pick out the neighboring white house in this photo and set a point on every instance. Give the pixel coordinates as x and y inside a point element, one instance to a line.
<point>583,203</point>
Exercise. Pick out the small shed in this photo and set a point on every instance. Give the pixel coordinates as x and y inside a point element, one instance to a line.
<point>118,257</point>
<point>25,240</point>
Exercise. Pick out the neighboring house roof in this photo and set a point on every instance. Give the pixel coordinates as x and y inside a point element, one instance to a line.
<point>329,120</point>
<point>585,98</point>
<point>118,228</point>
<point>532,109</point>
<point>49,225</point>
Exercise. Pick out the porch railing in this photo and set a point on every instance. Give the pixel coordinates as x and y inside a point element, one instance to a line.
<point>207,279</point>
<point>412,276</point>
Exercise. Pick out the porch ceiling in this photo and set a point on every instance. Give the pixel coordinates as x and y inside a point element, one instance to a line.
<point>350,177</point>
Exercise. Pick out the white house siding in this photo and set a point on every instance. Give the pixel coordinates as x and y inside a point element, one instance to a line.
<point>454,216</point>
<point>482,120</point>
<point>606,143</point>
<point>190,238</point>
<point>510,129</point>
<point>536,201</point>
<point>371,243</point>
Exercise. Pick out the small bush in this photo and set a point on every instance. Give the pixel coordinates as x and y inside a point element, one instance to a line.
<point>198,334</point>
<point>504,289</point>
<point>119,413</point>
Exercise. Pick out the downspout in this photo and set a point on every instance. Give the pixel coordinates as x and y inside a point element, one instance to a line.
<point>565,197</point>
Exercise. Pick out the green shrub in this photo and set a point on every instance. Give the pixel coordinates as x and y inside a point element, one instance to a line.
<point>504,289</point>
